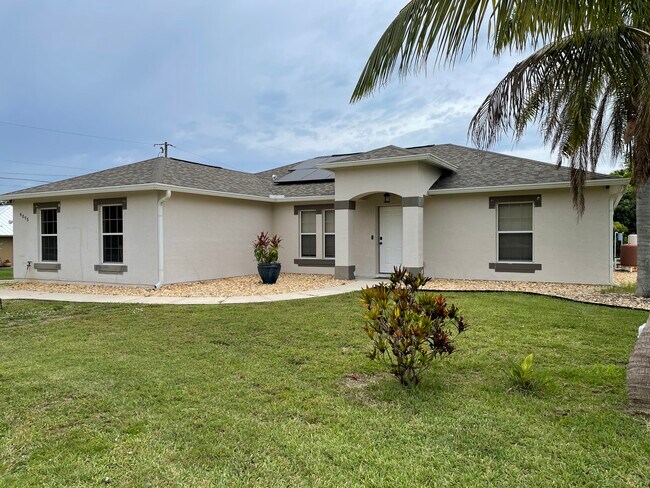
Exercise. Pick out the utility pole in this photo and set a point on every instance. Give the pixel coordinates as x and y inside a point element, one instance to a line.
<point>164,147</point>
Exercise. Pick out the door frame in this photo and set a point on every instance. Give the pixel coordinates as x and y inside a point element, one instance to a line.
<point>378,246</point>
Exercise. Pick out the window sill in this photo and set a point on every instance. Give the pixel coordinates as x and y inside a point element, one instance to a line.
<point>515,267</point>
<point>47,266</point>
<point>319,263</point>
<point>111,268</point>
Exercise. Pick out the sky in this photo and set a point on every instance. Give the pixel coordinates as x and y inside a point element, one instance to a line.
<point>247,85</point>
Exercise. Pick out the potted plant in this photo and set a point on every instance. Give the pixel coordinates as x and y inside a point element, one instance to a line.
<point>265,249</point>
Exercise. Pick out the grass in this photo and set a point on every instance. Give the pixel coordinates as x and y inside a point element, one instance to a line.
<point>625,289</point>
<point>6,273</point>
<point>261,395</point>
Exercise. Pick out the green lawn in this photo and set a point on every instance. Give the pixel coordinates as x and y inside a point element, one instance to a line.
<point>259,395</point>
<point>6,273</point>
<point>626,289</point>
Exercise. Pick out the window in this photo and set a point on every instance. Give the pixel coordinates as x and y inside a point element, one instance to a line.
<point>328,233</point>
<point>515,232</point>
<point>308,233</point>
<point>112,234</point>
<point>49,247</point>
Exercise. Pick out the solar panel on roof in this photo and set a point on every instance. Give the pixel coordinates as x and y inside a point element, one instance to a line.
<point>294,176</point>
<point>309,163</point>
<point>304,175</point>
<point>306,171</point>
<point>322,174</point>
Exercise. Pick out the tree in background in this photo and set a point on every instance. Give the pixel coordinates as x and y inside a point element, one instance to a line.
<point>625,212</point>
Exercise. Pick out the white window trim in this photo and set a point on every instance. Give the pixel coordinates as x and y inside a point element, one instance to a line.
<point>328,233</point>
<point>301,233</point>
<point>531,232</point>
<point>41,235</point>
<point>102,233</point>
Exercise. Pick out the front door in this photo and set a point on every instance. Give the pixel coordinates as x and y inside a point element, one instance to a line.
<point>390,238</point>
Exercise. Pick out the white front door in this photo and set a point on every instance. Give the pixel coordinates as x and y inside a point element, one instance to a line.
<point>390,238</point>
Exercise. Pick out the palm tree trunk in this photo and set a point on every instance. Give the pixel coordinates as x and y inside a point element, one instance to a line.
<point>643,245</point>
<point>638,369</point>
<point>638,374</point>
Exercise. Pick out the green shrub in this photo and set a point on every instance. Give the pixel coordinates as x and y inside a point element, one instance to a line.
<point>266,248</point>
<point>409,329</point>
<point>522,374</point>
<point>618,227</point>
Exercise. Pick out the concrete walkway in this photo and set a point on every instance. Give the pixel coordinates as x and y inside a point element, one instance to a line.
<point>8,294</point>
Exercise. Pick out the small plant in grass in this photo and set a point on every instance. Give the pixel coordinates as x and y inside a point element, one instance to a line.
<point>624,289</point>
<point>409,330</point>
<point>522,375</point>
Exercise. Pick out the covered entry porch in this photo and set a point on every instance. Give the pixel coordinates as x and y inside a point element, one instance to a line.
<point>379,208</point>
<point>376,232</point>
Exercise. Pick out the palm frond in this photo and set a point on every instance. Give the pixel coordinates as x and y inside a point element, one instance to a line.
<point>577,90</point>
<point>451,29</point>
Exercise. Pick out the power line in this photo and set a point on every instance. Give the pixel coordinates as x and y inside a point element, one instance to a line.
<point>41,164</point>
<point>71,133</point>
<point>203,158</point>
<point>164,147</point>
<point>194,154</point>
<point>24,179</point>
<point>94,136</point>
<point>32,174</point>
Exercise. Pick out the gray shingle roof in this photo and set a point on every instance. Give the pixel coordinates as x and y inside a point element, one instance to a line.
<point>475,169</point>
<point>478,168</point>
<point>165,171</point>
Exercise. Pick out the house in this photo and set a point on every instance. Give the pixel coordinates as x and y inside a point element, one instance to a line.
<point>6,234</point>
<point>452,211</point>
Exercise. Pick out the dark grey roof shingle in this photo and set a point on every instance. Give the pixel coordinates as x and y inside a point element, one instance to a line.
<point>129,174</point>
<point>166,171</point>
<point>475,169</point>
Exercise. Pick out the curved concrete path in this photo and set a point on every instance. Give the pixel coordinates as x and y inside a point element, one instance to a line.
<point>7,294</point>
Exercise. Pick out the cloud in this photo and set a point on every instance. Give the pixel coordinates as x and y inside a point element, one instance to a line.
<point>243,84</point>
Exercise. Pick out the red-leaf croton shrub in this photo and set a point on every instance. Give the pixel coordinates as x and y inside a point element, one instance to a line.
<point>409,330</point>
<point>265,248</point>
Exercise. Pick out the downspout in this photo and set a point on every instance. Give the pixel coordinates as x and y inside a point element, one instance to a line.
<point>161,239</point>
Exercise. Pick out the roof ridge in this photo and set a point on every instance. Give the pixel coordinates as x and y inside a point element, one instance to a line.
<point>159,170</point>
<point>424,145</point>
<point>384,152</point>
<point>205,165</point>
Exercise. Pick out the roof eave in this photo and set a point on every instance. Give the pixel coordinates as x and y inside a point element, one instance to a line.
<point>424,158</point>
<point>162,187</point>
<point>79,191</point>
<point>529,186</point>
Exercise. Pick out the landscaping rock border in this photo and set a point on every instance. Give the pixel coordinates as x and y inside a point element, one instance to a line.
<point>578,293</point>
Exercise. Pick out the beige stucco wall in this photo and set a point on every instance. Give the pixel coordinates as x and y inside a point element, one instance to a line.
<point>287,225</point>
<point>404,179</point>
<point>210,237</point>
<point>79,240</point>
<point>6,248</point>
<point>460,238</point>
